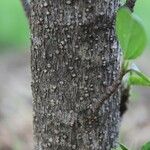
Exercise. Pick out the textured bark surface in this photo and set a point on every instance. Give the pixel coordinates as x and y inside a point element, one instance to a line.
<point>74,58</point>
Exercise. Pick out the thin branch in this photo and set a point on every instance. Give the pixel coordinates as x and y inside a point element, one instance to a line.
<point>109,92</point>
<point>26,6</point>
<point>138,73</point>
<point>130,4</point>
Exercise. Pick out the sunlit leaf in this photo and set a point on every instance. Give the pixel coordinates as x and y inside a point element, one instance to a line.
<point>131,34</point>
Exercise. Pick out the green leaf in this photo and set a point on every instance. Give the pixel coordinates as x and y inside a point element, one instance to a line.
<point>123,147</point>
<point>138,78</point>
<point>130,33</point>
<point>146,146</point>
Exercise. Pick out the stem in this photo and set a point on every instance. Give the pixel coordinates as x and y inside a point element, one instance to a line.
<point>125,66</point>
<point>138,73</point>
<point>26,6</point>
<point>109,92</point>
<point>130,4</point>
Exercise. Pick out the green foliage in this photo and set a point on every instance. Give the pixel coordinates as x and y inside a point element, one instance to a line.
<point>132,38</point>
<point>14,29</point>
<point>138,78</point>
<point>142,10</point>
<point>146,146</point>
<point>123,147</point>
<point>130,33</point>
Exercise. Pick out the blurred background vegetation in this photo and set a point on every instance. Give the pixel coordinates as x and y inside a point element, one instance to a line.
<point>15,93</point>
<point>14,28</point>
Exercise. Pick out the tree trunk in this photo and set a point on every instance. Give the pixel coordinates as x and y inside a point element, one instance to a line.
<point>75,57</point>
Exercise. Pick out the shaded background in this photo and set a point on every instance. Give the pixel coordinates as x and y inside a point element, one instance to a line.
<point>15,91</point>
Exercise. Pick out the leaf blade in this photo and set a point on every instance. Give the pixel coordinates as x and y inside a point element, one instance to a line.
<point>130,33</point>
<point>123,147</point>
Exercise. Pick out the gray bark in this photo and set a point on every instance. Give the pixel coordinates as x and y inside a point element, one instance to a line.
<point>75,57</point>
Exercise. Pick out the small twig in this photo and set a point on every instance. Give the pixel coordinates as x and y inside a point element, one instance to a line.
<point>130,4</point>
<point>138,73</point>
<point>109,92</point>
<point>26,6</point>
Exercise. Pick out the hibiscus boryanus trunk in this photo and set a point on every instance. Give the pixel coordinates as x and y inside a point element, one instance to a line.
<point>75,61</point>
